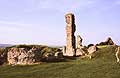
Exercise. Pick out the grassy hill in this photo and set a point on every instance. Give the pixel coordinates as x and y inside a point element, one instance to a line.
<point>102,66</point>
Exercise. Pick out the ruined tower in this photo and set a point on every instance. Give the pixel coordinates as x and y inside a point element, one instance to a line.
<point>70,30</point>
<point>79,41</point>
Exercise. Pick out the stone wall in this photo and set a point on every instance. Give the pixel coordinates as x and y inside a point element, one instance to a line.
<point>22,56</point>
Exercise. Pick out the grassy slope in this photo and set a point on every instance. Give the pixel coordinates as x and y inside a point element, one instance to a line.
<point>102,66</point>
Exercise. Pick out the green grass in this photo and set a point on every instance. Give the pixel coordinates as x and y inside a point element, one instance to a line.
<point>102,66</point>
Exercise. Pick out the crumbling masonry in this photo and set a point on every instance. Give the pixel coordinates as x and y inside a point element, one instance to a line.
<point>70,30</point>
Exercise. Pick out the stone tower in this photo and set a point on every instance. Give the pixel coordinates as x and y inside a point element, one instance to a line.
<point>70,30</point>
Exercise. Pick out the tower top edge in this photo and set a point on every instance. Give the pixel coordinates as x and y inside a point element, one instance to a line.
<point>69,14</point>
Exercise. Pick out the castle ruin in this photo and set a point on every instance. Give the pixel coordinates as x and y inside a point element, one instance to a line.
<point>70,30</point>
<point>72,48</point>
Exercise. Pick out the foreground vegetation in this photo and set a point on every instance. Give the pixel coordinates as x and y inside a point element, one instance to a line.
<point>103,65</point>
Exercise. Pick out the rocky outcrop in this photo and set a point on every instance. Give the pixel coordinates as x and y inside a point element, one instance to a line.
<point>91,51</point>
<point>53,57</point>
<point>80,52</point>
<point>109,41</point>
<point>59,54</point>
<point>22,56</point>
<point>49,57</point>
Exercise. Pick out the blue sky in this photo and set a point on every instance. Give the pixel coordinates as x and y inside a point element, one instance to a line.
<point>43,22</point>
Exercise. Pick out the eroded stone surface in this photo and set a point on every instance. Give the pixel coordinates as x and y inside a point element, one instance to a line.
<point>59,54</point>
<point>91,51</point>
<point>79,41</point>
<point>22,56</point>
<point>80,52</point>
<point>70,30</point>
